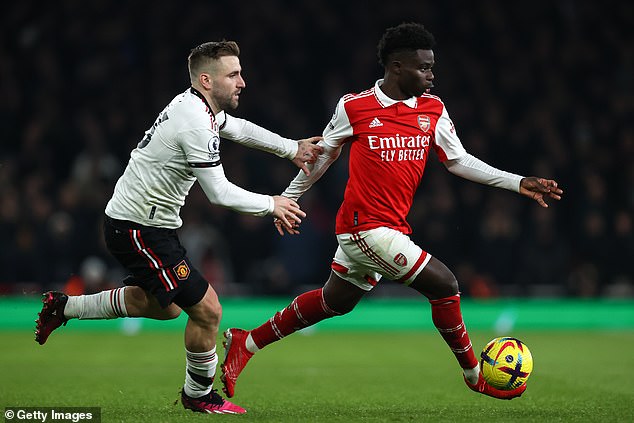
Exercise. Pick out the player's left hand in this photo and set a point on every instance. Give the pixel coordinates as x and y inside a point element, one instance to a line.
<point>539,189</point>
<point>307,152</point>
<point>281,227</point>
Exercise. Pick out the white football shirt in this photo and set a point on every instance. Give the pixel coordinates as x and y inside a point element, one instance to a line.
<point>182,146</point>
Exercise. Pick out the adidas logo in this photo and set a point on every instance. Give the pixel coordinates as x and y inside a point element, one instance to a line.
<point>375,122</point>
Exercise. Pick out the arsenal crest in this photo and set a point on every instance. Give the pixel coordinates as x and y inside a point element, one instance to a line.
<point>424,122</point>
<point>400,259</point>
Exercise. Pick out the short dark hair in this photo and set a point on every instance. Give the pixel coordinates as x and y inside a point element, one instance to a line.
<point>404,37</point>
<point>201,55</point>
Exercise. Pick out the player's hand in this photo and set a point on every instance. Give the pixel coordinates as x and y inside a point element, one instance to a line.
<point>294,230</point>
<point>539,189</point>
<point>287,211</point>
<point>307,152</point>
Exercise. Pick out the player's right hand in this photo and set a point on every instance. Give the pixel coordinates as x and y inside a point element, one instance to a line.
<point>288,213</point>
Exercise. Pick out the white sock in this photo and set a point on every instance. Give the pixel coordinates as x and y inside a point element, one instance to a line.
<point>104,305</point>
<point>472,375</point>
<point>200,372</point>
<point>250,344</point>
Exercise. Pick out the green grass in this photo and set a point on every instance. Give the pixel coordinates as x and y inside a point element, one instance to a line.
<point>322,377</point>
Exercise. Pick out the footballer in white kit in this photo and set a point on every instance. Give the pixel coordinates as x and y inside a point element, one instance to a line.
<point>184,139</point>
<point>181,147</point>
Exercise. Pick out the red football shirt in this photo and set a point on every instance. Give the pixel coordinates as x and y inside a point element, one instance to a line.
<point>389,144</point>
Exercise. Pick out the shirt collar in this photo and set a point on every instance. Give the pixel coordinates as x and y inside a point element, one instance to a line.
<point>387,101</point>
<point>202,97</point>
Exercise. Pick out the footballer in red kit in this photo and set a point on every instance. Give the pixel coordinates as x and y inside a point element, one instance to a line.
<point>391,129</point>
<point>389,145</point>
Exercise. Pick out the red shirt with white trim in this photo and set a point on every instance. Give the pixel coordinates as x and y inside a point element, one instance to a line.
<point>390,142</point>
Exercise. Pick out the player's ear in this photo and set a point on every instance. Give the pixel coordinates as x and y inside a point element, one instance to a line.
<point>205,80</point>
<point>395,66</point>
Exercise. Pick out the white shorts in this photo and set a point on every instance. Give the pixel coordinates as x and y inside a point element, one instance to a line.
<point>363,258</point>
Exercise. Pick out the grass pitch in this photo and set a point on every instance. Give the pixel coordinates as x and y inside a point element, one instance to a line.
<point>321,377</point>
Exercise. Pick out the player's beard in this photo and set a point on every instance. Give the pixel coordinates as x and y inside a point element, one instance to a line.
<point>228,102</point>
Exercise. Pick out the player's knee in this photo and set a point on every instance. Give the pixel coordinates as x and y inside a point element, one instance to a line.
<point>343,307</point>
<point>451,285</point>
<point>341,304</point>
<point>210,312</point>
<point>444,284</point>
<point>137,301</point>
<point>172,312</point>
<point>436,281</point>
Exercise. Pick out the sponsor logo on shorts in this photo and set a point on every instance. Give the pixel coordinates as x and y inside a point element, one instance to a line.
<point>400,259</point>
<point>181,270</point>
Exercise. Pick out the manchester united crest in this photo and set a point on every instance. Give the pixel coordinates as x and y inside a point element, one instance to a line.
<point>424,122</point>
<point>181,270</point>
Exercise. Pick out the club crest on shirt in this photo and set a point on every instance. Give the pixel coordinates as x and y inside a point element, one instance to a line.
<point>181,270</point>
<point>400,259</point>
<point>424,122</point>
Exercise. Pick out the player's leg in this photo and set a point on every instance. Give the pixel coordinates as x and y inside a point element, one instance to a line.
<point>140,303</point>
<point>335,298</point>
<point>201,332</point>
<point>128,301</point>
<point>147,254</point>
<point>338,296</point>
<point>440,286</point>
<point>200,302</point>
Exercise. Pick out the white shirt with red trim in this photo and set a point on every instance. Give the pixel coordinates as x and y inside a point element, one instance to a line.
<point>182,146</point>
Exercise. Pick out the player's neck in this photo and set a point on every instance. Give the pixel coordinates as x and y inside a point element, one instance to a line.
<point>391,89</point>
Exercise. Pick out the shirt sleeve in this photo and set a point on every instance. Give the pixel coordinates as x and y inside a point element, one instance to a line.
<point>474,169</point>
<point>201,147</point>
<point>334,136</point>
<point>447,144</point>
<point>251,135</point>
<point>220,191</point>
<point>338,129</point>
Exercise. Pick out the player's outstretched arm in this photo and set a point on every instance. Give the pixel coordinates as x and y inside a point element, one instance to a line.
<point>307,152</point>
<point>304,180</point>
<point>254,136</point>
<point>539,189</point>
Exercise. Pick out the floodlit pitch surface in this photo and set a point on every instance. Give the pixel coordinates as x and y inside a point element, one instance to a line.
<point>323,376</point>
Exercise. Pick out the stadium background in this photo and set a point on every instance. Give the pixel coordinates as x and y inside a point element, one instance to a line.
<point>539,88</point>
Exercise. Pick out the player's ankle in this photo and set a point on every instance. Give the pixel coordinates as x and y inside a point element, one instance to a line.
<point>472,375</point>
<point>250,344</point>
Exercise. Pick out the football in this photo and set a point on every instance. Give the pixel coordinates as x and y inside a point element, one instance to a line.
<point>506,363</point>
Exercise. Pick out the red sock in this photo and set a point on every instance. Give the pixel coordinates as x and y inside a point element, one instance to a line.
<point>447,317</point>
<point>305,310</point>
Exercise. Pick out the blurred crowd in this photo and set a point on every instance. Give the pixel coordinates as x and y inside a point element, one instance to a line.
<point>539,88</point>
